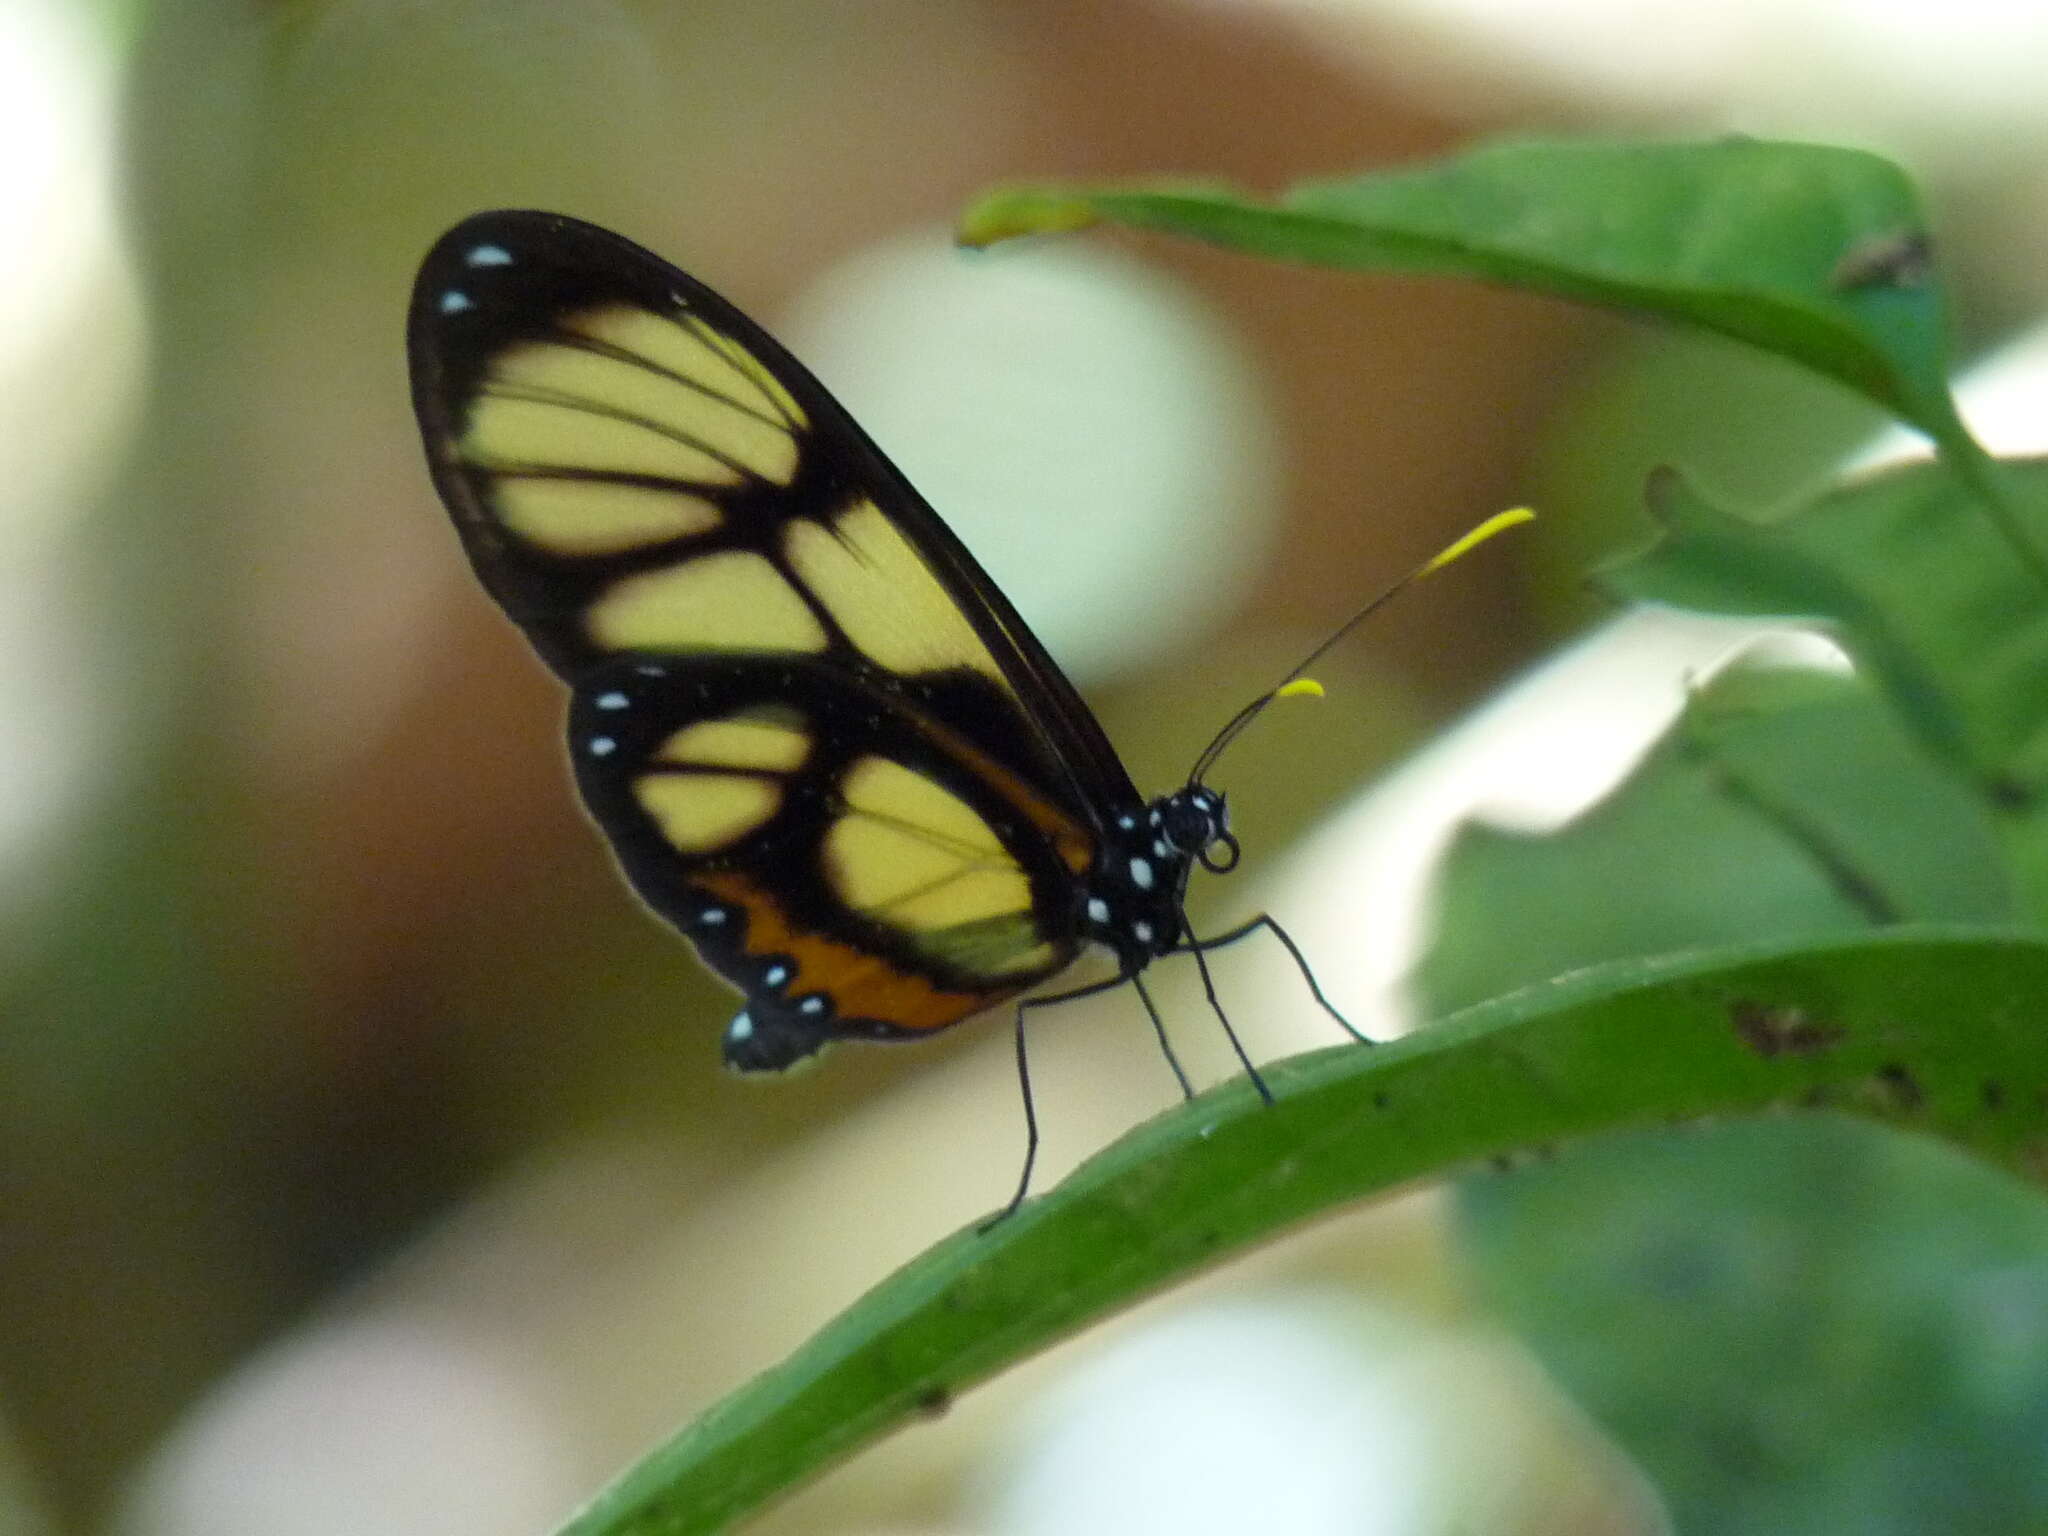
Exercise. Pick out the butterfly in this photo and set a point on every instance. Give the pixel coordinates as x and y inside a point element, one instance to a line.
<point>821,742</point>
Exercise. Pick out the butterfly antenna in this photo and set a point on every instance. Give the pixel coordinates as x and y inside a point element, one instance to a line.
<point>1294,684</point>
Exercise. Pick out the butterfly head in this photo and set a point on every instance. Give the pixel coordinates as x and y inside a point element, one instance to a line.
<point>1194,822</point>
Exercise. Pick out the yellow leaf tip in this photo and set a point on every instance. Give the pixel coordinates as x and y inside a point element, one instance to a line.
<point>1007,215</point>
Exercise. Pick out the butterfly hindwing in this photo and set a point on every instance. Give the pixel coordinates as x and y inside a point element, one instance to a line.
<point>847,863</point>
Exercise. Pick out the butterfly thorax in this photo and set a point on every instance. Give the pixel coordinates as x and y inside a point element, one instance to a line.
<point>1131,899</point>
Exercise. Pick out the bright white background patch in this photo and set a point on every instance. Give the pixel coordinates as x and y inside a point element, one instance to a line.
<point>72,347</point>
<point>1086,425</point>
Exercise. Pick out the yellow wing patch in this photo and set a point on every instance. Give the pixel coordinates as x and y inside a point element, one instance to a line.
<point>664,375</point>
<point>732,601</point>
<point>759,372</point>
<point>921,860</point>
<point>758,741</point>
<point>703,809</point>
<point>687,348</point>
<point>521,432</point>
<point>882,594</point>
<point>598,517</point>
<point>699,812</point>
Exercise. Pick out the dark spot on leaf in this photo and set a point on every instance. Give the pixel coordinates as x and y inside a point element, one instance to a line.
<point>1770,1030</point>
<point>1816,1097</point>
<point>1901,259</point>
<point>1660,490</point>
<point>1501,1162</point>
<point>1379,1101</point>
<point>1900,1089</point>
<point>1994,1095</point>
<point>2008,794</point>
<point>934,1401</point>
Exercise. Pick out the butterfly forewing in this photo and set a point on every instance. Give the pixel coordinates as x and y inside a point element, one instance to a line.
<point>635,466</point>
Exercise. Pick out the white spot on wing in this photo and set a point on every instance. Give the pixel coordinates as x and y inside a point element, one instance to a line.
<point>1098,910</point>
<point>741,1027</point>
<point>488,256</point>
<point>1142,932</point>
<point>812,1005</point>
<point>711,917</point>
<point>455,301</point>
<point>777,975</point>
<point>602,746</point>
<point>1141,874</point>
<point>612,700</point>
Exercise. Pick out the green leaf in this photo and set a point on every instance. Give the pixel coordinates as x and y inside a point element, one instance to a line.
<point>1818,254</point>
<point>1784,804</point>
<point>1801,1326</point>
<point>1928,599</point>
<point>1774,1319</point>
<point>1933,1029</point>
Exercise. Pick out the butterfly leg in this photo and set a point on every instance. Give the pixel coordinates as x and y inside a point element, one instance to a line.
<point>1216,1007</point>
<point>1030,1131</point>
<point>1265,920</point>
<point>1187,1089</point>
<point>1024,1087</point>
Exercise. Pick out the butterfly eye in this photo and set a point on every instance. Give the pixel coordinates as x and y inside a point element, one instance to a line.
<point>1190,821</point>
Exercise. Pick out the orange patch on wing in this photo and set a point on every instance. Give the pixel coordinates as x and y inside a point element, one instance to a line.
<point>860,984</point>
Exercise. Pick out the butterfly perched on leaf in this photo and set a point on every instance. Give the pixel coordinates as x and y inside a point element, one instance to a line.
<point>822,743</point>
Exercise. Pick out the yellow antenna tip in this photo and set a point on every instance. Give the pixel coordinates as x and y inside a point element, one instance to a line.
<point>1500,522</point>
<point>1300,688</point>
